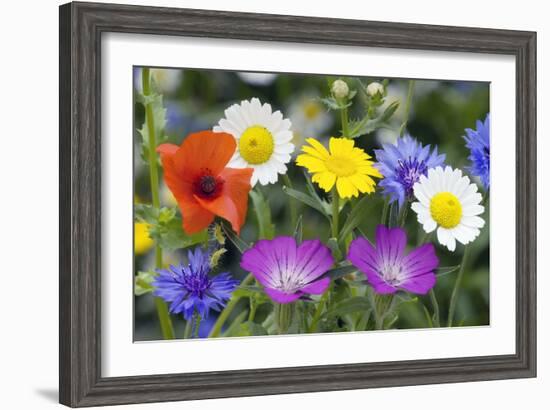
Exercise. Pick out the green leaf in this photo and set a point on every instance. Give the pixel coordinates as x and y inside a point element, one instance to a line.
<point>299,231</point>
<point>445,270</point>
<point>368,125</point>
<point>357,214</point>
<point>250,329</point>
<point>142,283</point>
<point>263,214</point>
<point>340,271</point>
<point>159,119</point>
<point>306,199</point>
<point>234,238</point>
<point>166,227</point>
<point>235,327</point>
<point>335,248</point>
<point>350,305</point>
<point>216,256</point>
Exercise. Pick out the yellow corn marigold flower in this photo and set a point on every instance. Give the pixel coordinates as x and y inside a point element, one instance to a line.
<point>142,241</point>
<point>345,165</point>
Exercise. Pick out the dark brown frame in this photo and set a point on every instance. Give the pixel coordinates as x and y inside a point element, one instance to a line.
<point>81,27</point>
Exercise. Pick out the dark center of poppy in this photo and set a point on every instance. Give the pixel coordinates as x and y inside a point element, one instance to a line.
<point>207,185</point>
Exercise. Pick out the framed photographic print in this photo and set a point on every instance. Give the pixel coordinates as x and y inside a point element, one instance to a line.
<point>259,204</point>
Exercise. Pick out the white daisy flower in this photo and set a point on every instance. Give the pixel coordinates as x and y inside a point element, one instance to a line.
<point>449,202</point>
<point>309,118</point>
<point>259,79</point>
<point>263,139</point>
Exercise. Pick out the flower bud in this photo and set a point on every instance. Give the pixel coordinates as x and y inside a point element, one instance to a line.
<point>340,89</point>
<point>375,88</point>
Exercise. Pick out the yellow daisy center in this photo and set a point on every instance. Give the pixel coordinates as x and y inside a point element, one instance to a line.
<point>340,166</point>
<point>311,110</point>
<point>256,145</point>
<point>446,209</point>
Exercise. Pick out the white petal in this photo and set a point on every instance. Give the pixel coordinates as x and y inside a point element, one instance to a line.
<point>472,210</point>
<point>274,123</point>
<point>283,137</point>
<point>462,234</point>
<point>284,158</point>
<point>420,195</point>
<point>473,221</point>
<point>429,225</point>
<point>451,244</point>
<point>284,148</point>
<point>443,235</point>
<point>233,114</point>
<point>473,199</point>
<point>230,127</point>
<point>237,162</point>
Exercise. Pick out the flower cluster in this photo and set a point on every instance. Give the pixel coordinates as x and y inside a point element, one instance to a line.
<point>213,173</point>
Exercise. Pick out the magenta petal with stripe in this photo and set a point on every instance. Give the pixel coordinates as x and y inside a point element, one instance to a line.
<point>387,267</point>
<point>287,270</point>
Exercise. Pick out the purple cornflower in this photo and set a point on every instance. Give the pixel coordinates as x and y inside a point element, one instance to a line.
<point>188,288</point>
<point>402,164</point>
<point>288,271</point>
<point>386,266</point>
<point>478,142</point>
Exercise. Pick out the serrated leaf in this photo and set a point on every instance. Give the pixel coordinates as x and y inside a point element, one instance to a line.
<point>216,256</point>
<point>166,227</point>
<point>263,214</point>
<point>159,122</point>
<point>368,125</point>
<point>142,283</point>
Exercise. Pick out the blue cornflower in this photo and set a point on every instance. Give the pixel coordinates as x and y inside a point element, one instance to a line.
<point>478,142</point>
<point>402,165</point>
<point>188,288</point>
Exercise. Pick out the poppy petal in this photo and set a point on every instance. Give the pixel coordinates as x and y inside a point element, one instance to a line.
<point>179,184</point>
<point>195,217</point>
<point>237,186</point>
<point>204,150</point>
<point>222,206</point>
<point>167,149</point>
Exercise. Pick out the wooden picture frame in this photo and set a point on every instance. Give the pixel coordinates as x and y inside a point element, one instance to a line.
<point>81,28</point>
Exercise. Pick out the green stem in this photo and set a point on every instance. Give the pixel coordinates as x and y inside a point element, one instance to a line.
<point>335,211</point>
<point>385,211</point>
<point>383,306</point>
<point>345,122</point>
<point>197,324</point>
<point>252,312</point>
<point>188,331</point>
<point>454,295</point>
<point>162,310</point>
<point>291,203</point>
<point>217,328</point>
<point>403,215</point>
<point>435,305</point>
<point>408,103</point>
<point>284,313</point>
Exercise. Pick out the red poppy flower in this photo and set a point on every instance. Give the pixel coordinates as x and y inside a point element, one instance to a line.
<point>196,174</point>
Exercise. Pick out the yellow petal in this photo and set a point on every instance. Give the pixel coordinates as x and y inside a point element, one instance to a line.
<point>345,188</point>
<point>362,182</point>
<point>318,146</point>
<point>311,163</point>
<point>142,241</point>
<point>340,146</point>
<point>314,152</point>
<point>325,180</point>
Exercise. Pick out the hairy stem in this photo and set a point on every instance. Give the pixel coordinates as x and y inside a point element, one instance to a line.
<point>291,203</point>
<point>408,103</point>
<point>335,211</point>
<point>162,310</point>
